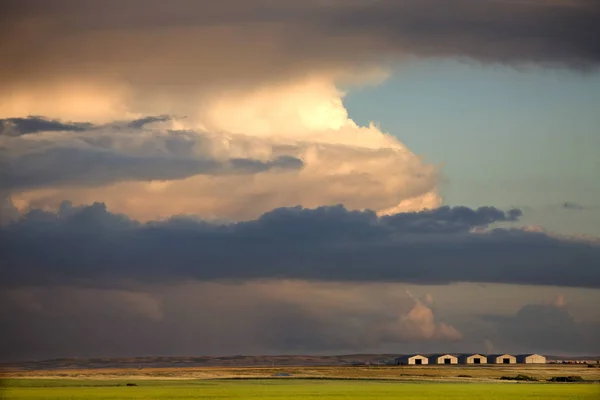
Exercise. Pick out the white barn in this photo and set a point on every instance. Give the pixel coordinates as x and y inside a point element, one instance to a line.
<point>414,359</point>
<point>501,359</point>
<point>531,359</point>
<point>443,359</point>
<point>472,359</point>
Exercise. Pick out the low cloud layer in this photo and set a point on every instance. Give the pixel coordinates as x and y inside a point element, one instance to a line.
<point>91,246</point>
<point>539,327</point>
<point>277,317</point>
<point>216,319</point>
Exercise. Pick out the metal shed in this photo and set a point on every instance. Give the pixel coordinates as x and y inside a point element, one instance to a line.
<point>414,359</point>
<point>501,359</point>
<point>443,359</point>
<point>472,359</point>
<point>531,359</point>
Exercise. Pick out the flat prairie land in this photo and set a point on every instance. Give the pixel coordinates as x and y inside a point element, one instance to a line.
<point>284,389</point>
<point>302,382</point>
<point>453,373</point>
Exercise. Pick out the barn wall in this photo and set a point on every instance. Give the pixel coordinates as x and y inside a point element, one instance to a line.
<point>440,359</point>
<point>412,360</point>
<point>499,360</point>
<point>534,359</point>
<point>471,359</point>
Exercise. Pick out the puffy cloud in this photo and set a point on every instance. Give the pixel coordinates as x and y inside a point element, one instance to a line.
<point>93,156</point>
<point>259,78</point>
<point>422,321</point>
<point>364,318</point>
<point>92,246</point>
<point>259,68</point>
<point>295,140</point>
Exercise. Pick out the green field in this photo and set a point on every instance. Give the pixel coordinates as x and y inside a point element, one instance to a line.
<point>275,389</point>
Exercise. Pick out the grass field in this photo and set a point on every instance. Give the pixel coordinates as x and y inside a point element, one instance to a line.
<point>280,389</point>
<point>420,373</point>
<point>304,382</point>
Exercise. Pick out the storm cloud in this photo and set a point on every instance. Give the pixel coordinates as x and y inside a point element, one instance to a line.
<point>539,327</point>
<point>203,148</point>
<point>150,57</point>
<point>91,246</point>
<point>561,32</point>
<point>216,319</point>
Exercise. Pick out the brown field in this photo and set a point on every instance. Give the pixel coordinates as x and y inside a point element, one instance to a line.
<point>464,373</point>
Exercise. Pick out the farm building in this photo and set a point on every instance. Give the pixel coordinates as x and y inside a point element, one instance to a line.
<point>472,359</point>
<point>415,359</point>
<point>443,359</point>
<point>531,359</point>
<point>501,359</point>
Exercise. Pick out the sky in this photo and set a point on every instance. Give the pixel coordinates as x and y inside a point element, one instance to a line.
<point>315,177</point>
<point>515,125</point>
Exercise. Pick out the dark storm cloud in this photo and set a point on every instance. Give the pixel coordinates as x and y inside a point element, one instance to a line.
<point>541,327</point>
<point>102,154</point>
<point>93,246</point>
<point>533,30</point>
<point>187,42</point>
<point>492,30</point>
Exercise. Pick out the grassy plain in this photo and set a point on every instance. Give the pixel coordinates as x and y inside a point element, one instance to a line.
<point>432,382</point>
<point>294,389</point>
<point>452,373</point>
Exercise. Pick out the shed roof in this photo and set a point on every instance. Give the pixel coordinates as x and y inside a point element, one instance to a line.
<point>411,356</point>
<point>442,355</point>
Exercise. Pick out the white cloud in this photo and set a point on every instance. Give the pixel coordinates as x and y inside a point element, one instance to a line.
<point>360,167</point>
